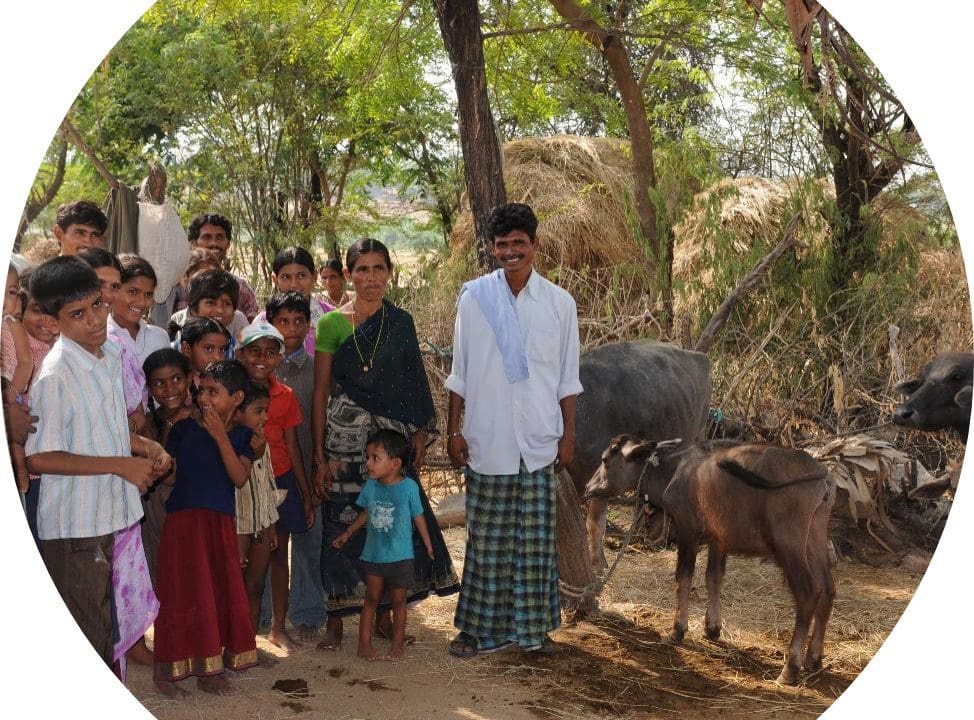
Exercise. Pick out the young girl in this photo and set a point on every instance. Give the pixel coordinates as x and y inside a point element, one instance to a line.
<point>18,363</point>
<point>202,341</point>
<point>333,280</point>
<point>204,621</point>
<point>294,271</point>
<point>257,503</point>
<point>388,501</point>
<point>167,377</point>
<point>213,294</point>
<point>134,337</point>
<point>41,340</point>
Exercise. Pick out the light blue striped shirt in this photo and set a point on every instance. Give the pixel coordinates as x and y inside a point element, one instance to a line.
<point>81,407</point>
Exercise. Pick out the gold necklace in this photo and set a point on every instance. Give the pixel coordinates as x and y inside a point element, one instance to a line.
<point>367,364</point>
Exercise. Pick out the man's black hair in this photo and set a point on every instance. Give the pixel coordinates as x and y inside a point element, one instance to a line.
<point>81,212</point>
<point>395,444</point>
<point>60,281</point>
<point>210,285</point>
<point>506,218</point>
<point>133,266</point>
<point>231,374</point>
<point>196,327</point>
<point>292,300</point>
<point>193,231</point>
<point>100,257</point>
<point>252,392</point>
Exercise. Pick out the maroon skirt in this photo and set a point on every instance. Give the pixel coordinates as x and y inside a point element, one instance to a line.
<point>204,623</point>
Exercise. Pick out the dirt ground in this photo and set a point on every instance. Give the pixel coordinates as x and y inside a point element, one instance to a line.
<point>616,665</point>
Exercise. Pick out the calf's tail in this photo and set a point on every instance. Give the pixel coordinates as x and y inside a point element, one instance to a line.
<point>759,481</point>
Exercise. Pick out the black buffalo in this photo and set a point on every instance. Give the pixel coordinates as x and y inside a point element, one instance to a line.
<point>941,397</point>
<point>650,389</point>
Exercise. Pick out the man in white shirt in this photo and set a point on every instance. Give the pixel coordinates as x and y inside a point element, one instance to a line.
<point>515,380</point>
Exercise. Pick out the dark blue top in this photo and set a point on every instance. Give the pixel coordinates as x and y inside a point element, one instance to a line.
<point>202,481</point>
<point>389,532</point>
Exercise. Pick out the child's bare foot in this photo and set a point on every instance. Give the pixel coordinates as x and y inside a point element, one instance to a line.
<point>370,653</point>
<point>333,636</point>
<point>139,653</point>
<point>170,689</point>
<point>383,628</point>
<point>280,638</point>
<point>265,659</point>
<point>216,684</point>
<point>397,653</point>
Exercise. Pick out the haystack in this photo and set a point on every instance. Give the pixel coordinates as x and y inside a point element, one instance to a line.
<point>579,188</point>
<point>746,217</point>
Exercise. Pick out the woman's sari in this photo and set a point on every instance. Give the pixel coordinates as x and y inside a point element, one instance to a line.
<point>378,381</point>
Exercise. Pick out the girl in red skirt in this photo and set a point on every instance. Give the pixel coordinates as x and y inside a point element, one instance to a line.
<point>204,621</point>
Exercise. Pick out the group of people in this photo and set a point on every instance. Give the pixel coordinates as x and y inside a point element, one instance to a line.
<point>249,465</point>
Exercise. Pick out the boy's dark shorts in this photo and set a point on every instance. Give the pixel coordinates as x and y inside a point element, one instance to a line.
<point>397,574</point>
<point>291,518</point>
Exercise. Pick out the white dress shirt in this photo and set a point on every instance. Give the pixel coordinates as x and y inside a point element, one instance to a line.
<point>505,422</point>
<point>81,409</point>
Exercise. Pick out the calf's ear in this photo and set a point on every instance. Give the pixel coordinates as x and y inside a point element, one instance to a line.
<point>909,387</point>
<point>963,398</point>
<point>641,451</point>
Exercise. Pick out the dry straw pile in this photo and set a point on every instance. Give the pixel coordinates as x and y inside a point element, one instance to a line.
<point>578,188</point>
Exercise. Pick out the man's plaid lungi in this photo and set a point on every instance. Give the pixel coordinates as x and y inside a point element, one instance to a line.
<point>510,571</point>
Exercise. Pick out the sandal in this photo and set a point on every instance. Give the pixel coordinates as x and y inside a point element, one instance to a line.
<point>547,647</point>
<point>466,646</point>
<point>463,646</point>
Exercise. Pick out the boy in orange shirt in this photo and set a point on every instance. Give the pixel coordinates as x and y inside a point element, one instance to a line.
<point>261,349</point>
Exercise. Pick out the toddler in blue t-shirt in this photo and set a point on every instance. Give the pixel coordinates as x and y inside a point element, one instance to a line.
<point>391,506</point>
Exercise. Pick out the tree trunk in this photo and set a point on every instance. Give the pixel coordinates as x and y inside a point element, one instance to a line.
<point>459,22</point>
<point>640,139</point>
<point>574,566</point>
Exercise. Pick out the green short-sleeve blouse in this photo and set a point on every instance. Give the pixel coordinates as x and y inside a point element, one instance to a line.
<point>333,329</point>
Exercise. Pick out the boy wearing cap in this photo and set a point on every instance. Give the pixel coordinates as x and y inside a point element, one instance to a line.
<point>261,349</point>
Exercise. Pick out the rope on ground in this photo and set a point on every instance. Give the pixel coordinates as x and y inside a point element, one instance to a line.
<point>594,588</point>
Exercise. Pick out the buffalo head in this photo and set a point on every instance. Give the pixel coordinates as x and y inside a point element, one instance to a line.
<point>941,397</point>
<point>624,461</point>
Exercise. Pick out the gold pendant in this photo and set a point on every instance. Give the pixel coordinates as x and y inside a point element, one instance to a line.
<point>366,367</point>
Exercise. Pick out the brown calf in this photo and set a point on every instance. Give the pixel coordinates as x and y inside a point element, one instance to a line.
<point>757,500</point>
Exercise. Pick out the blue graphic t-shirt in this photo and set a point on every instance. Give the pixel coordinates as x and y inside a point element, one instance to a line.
<point>391,508</point>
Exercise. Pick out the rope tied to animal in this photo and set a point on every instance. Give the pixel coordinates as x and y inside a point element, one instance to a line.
<point>594,588</point>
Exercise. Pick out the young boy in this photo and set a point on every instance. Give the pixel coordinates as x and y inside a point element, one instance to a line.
<point>80,224</point>
<point>390,505</point>
<point>260,350</point>
<point>290,313</point>
<point>90,483</point>
<point>213,294</point>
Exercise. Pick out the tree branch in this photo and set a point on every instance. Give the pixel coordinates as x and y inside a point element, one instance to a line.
<point>527,30</point>
<point>749,283</point>
<point>75,137</point>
